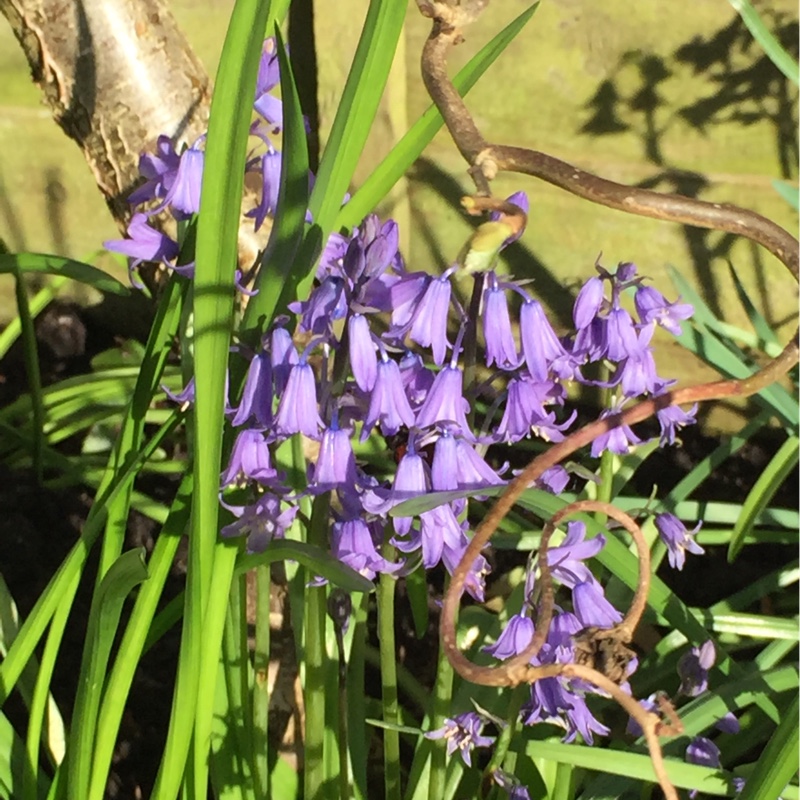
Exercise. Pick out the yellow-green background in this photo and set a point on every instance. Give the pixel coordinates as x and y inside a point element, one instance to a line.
<point>608,86</point>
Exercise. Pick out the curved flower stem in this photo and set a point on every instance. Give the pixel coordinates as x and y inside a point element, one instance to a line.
<point>521,693</point>
<point>316,662</point>
<point>391,709</point>
<point>442,699</point>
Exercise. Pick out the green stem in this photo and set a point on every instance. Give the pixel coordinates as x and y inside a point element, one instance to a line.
<point>136,633</point>
<point>316,662</point>
<point>261,683</point>
<point>356,702</point>
<point>41,694</point>
<point>391,711</point>
<point>442,702</point>
<point>518,697</point>
<point>211,643</point>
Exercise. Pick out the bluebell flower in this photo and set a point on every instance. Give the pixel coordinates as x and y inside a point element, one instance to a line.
<point>326,303</point>
<point>693,669</point>
<point>704,752</point>
<point>417,379</point>
<point>591,341</point>
<point>270,165</point>
<point>728,723</point>
<point>557,700</point>
<point>454,545</point>
<point>566,560</point>
<point>445,402</point>
<point>552,701</point>
<point>297,408</point>
<point>621,337</point>
<point>462,733</point>
<point>677,538</point>
<point>429,324</point>
<point>336,463</point>
<point>405,296</point>
<point>553,480</point>
<point>514,638</point>
<point>282,357</point>
<point>588,303</point>
<point>363,359</point>
<point>183,195</point>
<point>144,243</point>
<point>618,439</point>
<point>159,170</point>
<point>261,522</point>
<point>652,306</point>
<point>269,107</point>
<point>525,407</point>
<point>637,374</point>
<point>512,787</point>
<point>501,349</point>
<point>256,401</point>
<point>673,418</point>
<point>541,347</point>
<point>353,542</point>
<point>438,532</point>
<point>185,396</point>
<point>388,404</point>
<point>250,459</point>
<point>410,481</point>
<point>456,465</point>
<point>592,608</point>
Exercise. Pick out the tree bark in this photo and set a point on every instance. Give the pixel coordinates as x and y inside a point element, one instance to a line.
<point>116,74</point>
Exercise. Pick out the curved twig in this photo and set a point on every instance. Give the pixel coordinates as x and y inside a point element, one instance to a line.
<point>485,160</point>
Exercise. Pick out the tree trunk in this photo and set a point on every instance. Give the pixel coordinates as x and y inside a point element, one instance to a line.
<point>116,74</point>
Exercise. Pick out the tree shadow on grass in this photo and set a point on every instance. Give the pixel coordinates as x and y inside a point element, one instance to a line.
<point>740,86</point>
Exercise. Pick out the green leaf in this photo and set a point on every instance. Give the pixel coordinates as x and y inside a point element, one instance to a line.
<point>315,559</point>
<point>771,46</point>
<point>778,762</point>
<point>67,267</point>
<point>768,482</point>
<point>703,341</point>
<point>127,571</point>
<point>411,146</point>
<point>357,108</point>
<point>213,308</point>
<point>760,325</point>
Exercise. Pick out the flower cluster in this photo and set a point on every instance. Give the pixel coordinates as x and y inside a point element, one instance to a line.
<point>173,179</point>
<point>374,353</point>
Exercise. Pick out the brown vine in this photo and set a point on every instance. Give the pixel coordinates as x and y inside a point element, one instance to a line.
<point>485,160</point>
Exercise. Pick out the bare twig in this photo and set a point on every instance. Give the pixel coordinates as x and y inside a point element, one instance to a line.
<point>485,161</point>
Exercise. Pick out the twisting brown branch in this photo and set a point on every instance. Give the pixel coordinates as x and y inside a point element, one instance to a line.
<point>486,160</point>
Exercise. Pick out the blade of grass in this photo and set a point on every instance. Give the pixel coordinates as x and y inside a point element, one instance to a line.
<point>31,369</point>
<point>771,46</point>
<point>758,498</point>
<point>136,633</point>
<point>357,108</point>
<point>66,267</point>
<point>421,133</point>
<point>127,571</point>
<point>217,245</point>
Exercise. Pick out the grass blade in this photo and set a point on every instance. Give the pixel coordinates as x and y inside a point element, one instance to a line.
<point>762,492</point>
<point>411,146</point>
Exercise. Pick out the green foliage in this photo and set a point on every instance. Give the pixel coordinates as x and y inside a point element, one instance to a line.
<point>218,730</point>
